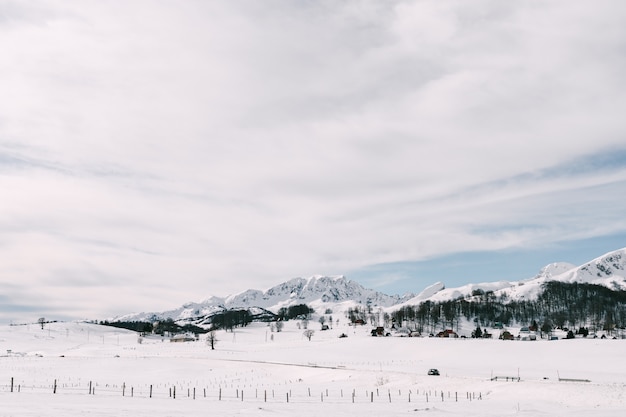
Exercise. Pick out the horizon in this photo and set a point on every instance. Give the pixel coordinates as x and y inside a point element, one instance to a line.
<point>416,292</point>
<point>151,152</point>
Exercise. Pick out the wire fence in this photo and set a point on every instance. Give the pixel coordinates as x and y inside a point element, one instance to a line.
<point>199,393</point>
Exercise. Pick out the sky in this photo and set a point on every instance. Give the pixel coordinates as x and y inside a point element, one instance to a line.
<point>154,153</point>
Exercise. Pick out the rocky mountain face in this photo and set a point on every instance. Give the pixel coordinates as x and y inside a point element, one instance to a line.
<point>608,270</point>
<point>313,291</point>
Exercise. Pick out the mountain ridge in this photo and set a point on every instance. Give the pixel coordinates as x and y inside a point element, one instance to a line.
<point>608,270</point>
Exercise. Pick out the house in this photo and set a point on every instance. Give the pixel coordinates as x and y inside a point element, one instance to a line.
<point>447,333</point>
<point>379,331</point>
<point>506,335</point>
<point>526,334</point>
<point>358,321</point>
<point>181,338</point>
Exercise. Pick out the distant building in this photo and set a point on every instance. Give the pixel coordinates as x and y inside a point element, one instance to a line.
<point>181,338</point>
<point>447,333</point>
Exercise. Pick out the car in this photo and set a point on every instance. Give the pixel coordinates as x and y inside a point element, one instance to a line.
<point>433,371</point>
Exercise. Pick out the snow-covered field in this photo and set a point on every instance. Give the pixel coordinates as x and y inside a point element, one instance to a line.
<point>103,371</point>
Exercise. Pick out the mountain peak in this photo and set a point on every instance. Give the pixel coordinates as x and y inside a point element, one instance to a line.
<point>608,270</point>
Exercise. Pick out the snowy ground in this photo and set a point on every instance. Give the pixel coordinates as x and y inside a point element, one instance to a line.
<point>256,372</point>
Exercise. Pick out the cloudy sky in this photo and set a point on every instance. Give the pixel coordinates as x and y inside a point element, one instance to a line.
<point>154,152</point>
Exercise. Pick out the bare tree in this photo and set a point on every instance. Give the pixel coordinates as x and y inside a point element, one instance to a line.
<point>211,340</point>
<point>308,334</point>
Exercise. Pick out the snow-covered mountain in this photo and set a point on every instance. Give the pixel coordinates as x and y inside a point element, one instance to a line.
<point>321,292</point>
<point>608,270</point>
<point>316,292</point>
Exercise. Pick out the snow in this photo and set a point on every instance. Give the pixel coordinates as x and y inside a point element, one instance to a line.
<point>319,376</point>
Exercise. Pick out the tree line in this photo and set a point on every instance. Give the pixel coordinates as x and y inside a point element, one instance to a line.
<point>160,327</point>
<point>560,304</point>
<point>299,311</point>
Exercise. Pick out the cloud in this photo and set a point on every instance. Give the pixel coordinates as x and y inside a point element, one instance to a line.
<point>213,147</point>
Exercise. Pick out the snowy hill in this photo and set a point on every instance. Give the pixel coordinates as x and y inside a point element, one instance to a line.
<point>608,270</point>
<point>339,293</point>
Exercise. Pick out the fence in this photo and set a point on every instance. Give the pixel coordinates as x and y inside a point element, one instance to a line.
<point>292,395</point>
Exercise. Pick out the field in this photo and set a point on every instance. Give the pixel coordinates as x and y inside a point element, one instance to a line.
<point>71,369</point>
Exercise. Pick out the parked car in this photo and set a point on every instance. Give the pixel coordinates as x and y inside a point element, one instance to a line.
<point>433,371</point>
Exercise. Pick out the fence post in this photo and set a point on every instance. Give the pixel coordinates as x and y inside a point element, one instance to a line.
<point>150,391</point>
<point>11,384</point>
<point>54,389</point>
